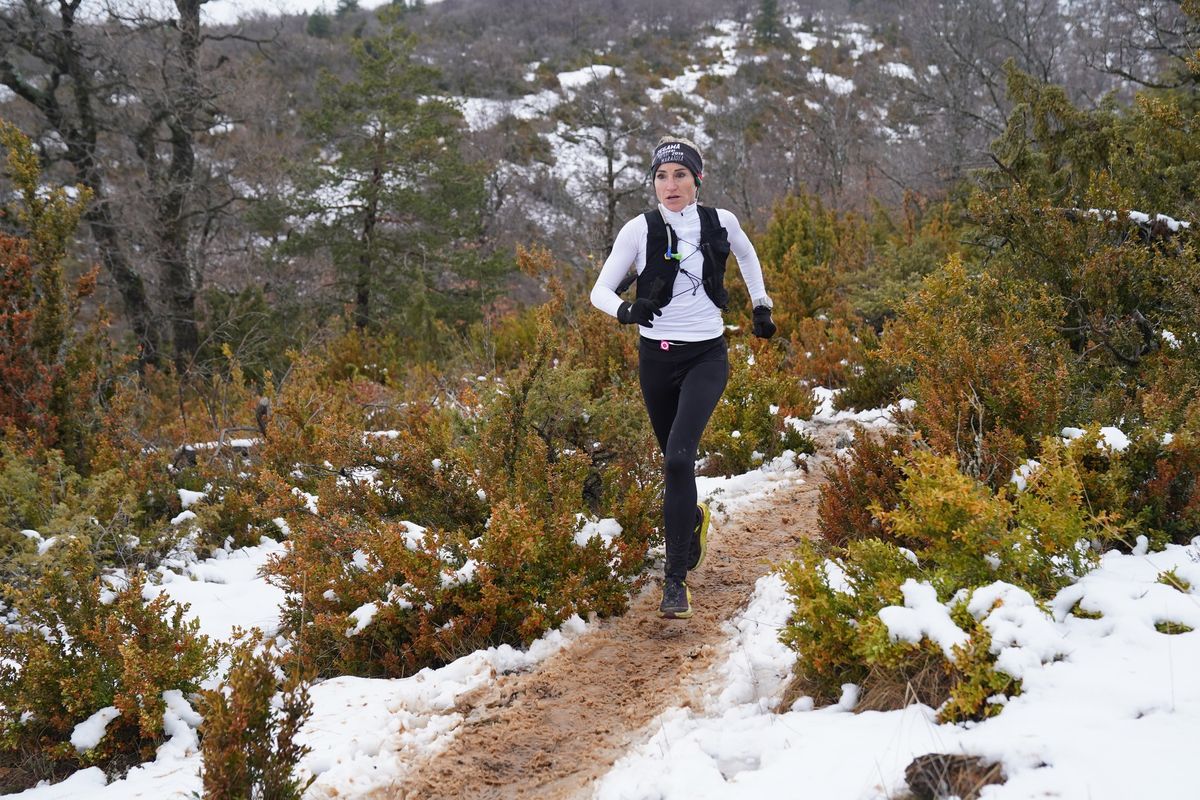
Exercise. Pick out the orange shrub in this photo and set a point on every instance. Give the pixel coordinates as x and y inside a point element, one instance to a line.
<point>990,374</point>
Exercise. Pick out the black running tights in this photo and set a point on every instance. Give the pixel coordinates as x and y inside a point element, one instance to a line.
<point>681,386</point>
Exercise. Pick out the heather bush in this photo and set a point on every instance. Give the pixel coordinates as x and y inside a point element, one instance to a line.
<point>76,642</point>
<point>1150,484</point>
<point>52,371</point>
<point>827,352</point>
<point>990,372</point>
<point>949,533</point>
<point>859,485</point>
<point>248,737</point>
<point>749,422</point>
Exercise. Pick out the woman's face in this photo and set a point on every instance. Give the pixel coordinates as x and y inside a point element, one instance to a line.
<point>675,186</point>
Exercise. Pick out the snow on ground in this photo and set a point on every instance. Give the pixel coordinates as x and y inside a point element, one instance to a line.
<point>834,83</point>
<point>1108,703</point>
<point>226,591</point>
<point>826,415</point>
<point>1109,706</point>
<point>364,733</point>
<point>482,113</point>
<point>726,41</point>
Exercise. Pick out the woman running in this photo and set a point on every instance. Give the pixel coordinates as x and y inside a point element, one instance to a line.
<point>679,250</point>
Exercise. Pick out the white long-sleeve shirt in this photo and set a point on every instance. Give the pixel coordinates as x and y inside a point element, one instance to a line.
<point>690,316</point>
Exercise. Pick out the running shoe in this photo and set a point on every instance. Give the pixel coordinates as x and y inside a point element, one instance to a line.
<point>677,600</point>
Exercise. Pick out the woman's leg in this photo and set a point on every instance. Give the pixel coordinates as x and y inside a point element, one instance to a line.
<point>660,393</point>
<point>698,395</point>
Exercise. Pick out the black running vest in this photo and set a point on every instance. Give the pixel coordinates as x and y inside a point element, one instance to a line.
<point>656,281</point>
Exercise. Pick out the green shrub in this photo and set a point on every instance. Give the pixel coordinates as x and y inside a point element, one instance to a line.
<point>957,535</point>
<point>1174,580</point>
<point>989,369</point>
<point>74,645</point>
<point>247,738</point>
<point>1150,485</point>
<point>742,423</point>
<point>33,490</point>
<point>873,382</point>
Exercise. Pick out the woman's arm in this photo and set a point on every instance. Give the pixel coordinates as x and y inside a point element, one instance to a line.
<point>747,258</point>
<point>624,255</point>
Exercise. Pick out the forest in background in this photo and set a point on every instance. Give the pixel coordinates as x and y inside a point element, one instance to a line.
<point>228,253</point>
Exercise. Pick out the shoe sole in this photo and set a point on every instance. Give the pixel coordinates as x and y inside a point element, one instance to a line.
<point>705,521</point>
<point>685,614</point>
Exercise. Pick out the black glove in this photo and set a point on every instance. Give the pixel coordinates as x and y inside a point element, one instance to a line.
<point>764,328</point>
<point>640,311</point>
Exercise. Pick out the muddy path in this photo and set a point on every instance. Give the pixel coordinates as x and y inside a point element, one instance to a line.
<point>552,732</point>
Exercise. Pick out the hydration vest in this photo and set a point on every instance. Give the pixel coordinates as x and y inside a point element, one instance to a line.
<point>656,281</point>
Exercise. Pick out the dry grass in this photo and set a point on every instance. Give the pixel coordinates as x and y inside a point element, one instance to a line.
<point>927,680</point>
<point>938,775</point>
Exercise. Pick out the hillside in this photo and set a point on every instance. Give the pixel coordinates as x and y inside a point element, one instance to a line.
<point>323,476</point>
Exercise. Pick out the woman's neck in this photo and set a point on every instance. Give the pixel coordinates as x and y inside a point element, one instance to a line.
<point>685,214</point>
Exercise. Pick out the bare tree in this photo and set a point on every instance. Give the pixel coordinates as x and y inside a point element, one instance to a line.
<point>959,49</point>
<point>49,60</point>
<point>1152,44</point>
<point>603,117</point>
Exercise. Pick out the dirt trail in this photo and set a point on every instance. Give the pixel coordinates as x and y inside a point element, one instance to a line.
<point>552,732</point>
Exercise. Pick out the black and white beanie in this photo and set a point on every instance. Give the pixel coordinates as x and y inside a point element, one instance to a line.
<point>674,152</point>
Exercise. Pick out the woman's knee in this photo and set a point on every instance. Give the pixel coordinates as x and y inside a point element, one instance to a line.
<point>679,464</point>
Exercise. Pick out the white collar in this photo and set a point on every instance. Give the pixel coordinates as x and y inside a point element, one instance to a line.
<point>688,214</point>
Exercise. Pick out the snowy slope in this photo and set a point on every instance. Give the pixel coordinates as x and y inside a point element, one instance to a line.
<point>1110,707</point>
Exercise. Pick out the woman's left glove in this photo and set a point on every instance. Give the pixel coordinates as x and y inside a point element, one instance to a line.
<point>764,327</point>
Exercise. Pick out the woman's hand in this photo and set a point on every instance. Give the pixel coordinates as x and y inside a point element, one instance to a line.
<point>640,311</point>
<point>764,326</point>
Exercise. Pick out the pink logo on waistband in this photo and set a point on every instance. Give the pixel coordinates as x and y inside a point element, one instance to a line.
<point>664,344</point>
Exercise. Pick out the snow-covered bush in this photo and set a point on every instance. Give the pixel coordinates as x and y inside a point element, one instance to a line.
<point>1151,481</point>
<point>76,645</point>
<point>960,535</point>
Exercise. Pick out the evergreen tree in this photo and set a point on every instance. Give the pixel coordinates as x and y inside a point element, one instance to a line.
<point>319,25</point>
<point>768,27</point>
<point>389,196</point>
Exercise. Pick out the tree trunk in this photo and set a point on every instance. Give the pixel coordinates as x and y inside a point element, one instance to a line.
<point>362,288</point>
<point>174,231</point>
<point>80,135</point>
<point>129,284</point>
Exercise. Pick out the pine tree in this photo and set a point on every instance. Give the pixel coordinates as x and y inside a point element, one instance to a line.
<point>389,195</point>
<point>768,27</point>
<point>319,25</point>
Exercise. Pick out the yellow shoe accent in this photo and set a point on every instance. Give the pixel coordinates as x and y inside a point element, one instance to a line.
<point>677,613</point>
<point>702,530</point>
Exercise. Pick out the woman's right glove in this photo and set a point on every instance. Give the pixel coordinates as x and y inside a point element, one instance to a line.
<point>764,327</point>
<point>640,311</point>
